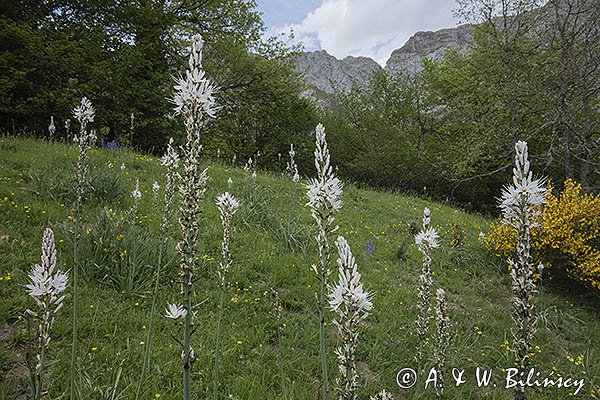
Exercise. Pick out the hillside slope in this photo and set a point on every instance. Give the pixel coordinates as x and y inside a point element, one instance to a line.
<point>273,248</point>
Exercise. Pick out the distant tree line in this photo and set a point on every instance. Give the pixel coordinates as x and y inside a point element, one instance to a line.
<point>123,56</point>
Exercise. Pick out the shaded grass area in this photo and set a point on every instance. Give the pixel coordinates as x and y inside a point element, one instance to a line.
<point>272,247</point>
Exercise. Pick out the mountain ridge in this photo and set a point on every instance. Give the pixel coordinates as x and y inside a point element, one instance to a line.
<point>325,73</point>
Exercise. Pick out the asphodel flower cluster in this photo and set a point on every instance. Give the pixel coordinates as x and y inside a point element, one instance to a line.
<point>68,127</point>
<point>324,195</point>
<point>84,113</point>
<point>292,167</point>
<point>443,337</point>
<point>227,205</point>
<point>324,199</point>
<point>194,100</point>
<point>170,160</point>
<point>51,127</point>
<point>426,240</point>
<point>352,304</point>
<point>520,204</point>
<point>46,285</point>
<point>136,194</point>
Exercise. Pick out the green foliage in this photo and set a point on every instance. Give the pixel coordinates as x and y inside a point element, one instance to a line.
<point>449,130</point>
<point>112,323</point>
<point>123,56</point>
<point>59,183</point>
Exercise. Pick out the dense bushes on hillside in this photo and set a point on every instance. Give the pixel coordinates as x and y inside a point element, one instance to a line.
<point>568,238</point>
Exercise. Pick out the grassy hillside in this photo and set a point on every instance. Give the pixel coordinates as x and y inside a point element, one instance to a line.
<point>273,247</point>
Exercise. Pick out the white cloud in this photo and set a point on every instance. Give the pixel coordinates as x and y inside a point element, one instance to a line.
<point>372,28</point>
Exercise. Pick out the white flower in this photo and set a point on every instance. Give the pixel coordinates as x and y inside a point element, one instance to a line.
<point>136,194</point>
<point>525,194</point>
<point>122,166</point>
<point>194,94</point>
<point>43,280</point>
<point>227,203</point>
<point>155,187</point>
<point>352,305</point>
<point>51,127</point>
<point>427,238</point>
<point>171,157</point>
<point>84,113</point>
<point>110,165</point>
<point>248,165</point>
<point>325,191</point>
<point>426,217</point>
<point>348,290</point>
<point>175,311</point>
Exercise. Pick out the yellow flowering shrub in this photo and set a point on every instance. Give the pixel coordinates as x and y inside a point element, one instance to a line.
<point>567,239</point>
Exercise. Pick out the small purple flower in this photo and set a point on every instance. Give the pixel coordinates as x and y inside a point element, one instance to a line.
<point>369,248</point>
<point>112,145</point>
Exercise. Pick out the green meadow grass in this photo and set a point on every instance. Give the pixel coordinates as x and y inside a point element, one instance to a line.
<point>273,248</point>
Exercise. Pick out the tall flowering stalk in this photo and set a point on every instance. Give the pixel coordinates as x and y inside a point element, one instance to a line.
<point>426,240</point>
<point>131,126</point>
<point>68,128</point>
<point>84,113</point>
<point>443,337</point>
<point>521,204</point>
<point>227,205</point>
<point>155,190</point>
<point>292,167</point>
<point>194,101</point>
<point>171,161</point>
<point>324,199</point>
<point>136,194</point>
<point>51,127</point>
<point>352,305</point>
<point>45,287</point>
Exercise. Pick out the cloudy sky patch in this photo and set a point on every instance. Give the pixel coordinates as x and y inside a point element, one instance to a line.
<point>372,28</point>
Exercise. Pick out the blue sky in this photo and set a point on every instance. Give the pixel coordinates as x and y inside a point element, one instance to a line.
<point>372,28</point>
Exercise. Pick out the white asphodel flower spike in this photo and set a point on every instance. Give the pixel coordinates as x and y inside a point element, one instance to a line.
<point>324,193</point>
<point>51,127</point>
<point>45,286</point>
<point>525,193</point>
<point>194,93</point>
<point>521,204</point>
<point>227,204</point>
<point>136,194</point>
<point>171,158</point>
<point>349,289</point>
<point>352,305</point>
<point>426,240</point>
<point>85,112</point>
<point>194,101</point>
